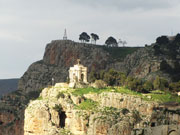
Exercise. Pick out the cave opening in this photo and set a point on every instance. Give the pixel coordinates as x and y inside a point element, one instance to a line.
<point>1,122</point>
<point>62,119</point>
<point>153,124</point>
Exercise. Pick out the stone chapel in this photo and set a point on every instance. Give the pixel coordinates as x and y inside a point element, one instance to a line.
<point>78,73</point>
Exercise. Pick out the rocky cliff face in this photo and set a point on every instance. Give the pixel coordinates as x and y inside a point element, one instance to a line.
<point>59,110</point>
<point>60,55</point>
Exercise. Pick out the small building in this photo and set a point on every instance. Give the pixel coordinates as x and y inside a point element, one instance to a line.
<point>78,73</point>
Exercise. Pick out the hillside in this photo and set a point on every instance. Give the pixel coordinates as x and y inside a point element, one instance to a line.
<point>59,55</point>
<point>145,63</point>
<point>8,85</point>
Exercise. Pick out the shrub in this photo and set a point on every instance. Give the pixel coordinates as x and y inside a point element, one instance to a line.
<point>99,84</point>
<point>125,111</point>
<point>160,83</point>
<point>136,116</point>
<point>156,83</point>
<point>60,95</point>
<point>148,86</point>
<point>175,86</point>
<point>58,108</point>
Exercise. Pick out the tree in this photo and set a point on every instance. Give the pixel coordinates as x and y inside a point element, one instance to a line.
<point>162,40</point>
<point>160,83</point>
<point>148,86</point>
<point>156,83</point>
<point>84,37</point>
<point>122,42</point>
<point>94,37</point>
<point>177,38</point>
<point>175,86</point>
<point>111,42</point>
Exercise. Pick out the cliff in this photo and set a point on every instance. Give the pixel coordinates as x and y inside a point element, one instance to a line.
<point>60,55</point>
<point>15,110</point>
<point>60,111</point>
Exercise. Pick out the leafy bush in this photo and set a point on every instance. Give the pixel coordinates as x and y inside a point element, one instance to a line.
<point>175,86</point>
<point>99,84</point>
<point>125,111</point>
<point>136,116</point>
<point>160,83</point>
<point>60,95</point>
<point>148,85</point>
<point>58,108</point>
<point>65,132</point>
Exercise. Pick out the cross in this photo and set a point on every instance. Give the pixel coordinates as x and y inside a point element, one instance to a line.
<point>78,61</point>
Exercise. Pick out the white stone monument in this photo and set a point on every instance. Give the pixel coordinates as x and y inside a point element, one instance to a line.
<point>78,73</point>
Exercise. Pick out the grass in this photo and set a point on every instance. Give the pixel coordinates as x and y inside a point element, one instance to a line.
<point>40,98</point>
<point>124,90</point>
<point>120,53</point>
<point>158,96</point>
<point>87,104</point>
<point>165,97</point>
<point>82,91</point>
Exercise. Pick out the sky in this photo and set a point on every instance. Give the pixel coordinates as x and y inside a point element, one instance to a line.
<point>26,26</point>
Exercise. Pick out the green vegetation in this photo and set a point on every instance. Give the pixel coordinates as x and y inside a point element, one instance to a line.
<point>40,98</point>
<point>108,114</point>
<point>125,111</point>
<point>157,95</point>
<point>64,131</point>
<point>115,78</point>
<point>87,104</point>
<point>111,42</point>
<point>60,95</point>
<point>166,97</point>
<point>58,108</point>
<point>82,91</point>
<point>136,116</point>
<point>33,94</point>
<point>119,53</point>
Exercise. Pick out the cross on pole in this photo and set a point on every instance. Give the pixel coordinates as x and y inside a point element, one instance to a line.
<point>78,61</point>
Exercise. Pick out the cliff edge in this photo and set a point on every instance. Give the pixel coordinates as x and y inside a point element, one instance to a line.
<point>139,62</point>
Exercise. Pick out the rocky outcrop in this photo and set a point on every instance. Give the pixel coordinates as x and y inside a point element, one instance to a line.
<point>59,110</point>
<point>60,55</point>
<point>12,113</point>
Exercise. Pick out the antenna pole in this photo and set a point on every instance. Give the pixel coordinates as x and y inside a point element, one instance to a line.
<point>65,35</point>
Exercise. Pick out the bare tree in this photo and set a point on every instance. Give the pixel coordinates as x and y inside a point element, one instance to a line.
<point>121,42</point>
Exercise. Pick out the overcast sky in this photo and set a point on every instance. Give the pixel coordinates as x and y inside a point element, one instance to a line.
<point>26,26</point>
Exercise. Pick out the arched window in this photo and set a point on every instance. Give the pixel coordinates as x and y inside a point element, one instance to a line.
<point>82,77</point>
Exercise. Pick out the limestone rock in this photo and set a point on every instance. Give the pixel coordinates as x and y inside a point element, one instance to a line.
<point>116,114</point>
